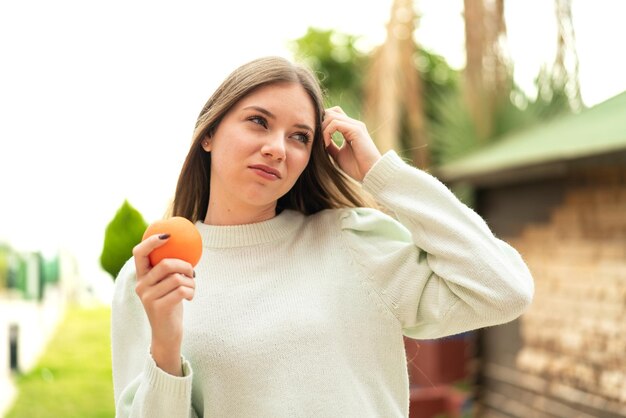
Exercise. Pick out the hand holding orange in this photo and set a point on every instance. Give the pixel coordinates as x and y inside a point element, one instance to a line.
<point>184,243</point>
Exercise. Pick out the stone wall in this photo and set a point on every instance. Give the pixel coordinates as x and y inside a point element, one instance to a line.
<point>571,359</point>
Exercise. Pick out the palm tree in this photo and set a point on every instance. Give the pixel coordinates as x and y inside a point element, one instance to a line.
<point>394,99</point>
<point>488,69</point>
<point>487,111</point>
<point>565,67</point>
<point>393,107</point>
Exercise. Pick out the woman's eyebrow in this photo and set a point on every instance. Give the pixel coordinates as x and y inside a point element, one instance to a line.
<point>262,110</point>
<point>304,126</point>
<point>271,115</point>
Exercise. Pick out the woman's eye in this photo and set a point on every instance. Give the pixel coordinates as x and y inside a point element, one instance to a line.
<point>259,120</point>
<point>303,137</point>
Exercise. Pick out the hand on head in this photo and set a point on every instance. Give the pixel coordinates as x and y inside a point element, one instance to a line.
<point>358,153</point>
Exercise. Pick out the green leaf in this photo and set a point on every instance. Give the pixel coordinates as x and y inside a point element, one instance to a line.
<point>123,232</point>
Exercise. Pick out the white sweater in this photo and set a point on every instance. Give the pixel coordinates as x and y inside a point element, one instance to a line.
<point>303,316</point>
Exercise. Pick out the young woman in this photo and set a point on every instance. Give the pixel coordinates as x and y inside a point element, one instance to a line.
<point>299,304</point>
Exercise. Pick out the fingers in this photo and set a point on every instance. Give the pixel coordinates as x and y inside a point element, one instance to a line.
<point>329,127</point>
<point>165,268</point>
<point>170,289</point>
<point>336,109</point>
<point>358,153</point>
<point>170,279</point>
<point>166,285</point>
<point>144,248</point>
<point>164,271</point>
<point>335,120</point>
<point>335,126</point>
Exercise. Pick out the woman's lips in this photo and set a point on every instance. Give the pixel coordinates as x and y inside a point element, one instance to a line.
<point>266,172</point>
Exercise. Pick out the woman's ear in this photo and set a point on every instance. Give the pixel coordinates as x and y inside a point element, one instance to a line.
<point>206,143</point>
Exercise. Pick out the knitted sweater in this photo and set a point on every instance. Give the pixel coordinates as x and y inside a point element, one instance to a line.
<point>304,316</point>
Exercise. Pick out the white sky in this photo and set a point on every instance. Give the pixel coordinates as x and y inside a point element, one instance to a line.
<point>98,99</point>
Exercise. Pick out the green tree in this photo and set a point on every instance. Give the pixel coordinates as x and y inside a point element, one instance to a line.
<point>454,133</point>
<point>5,250</point>
<point>122,234</point>
<point>338,63</point>
<point>342,68</point>
<point>493,106</point>
<point>451,127</point>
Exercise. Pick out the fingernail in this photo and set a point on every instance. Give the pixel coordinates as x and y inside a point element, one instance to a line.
<point>164,236</point>
<point>194,274</point>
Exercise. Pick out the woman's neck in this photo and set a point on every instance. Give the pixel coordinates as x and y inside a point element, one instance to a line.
<point>224,215</point>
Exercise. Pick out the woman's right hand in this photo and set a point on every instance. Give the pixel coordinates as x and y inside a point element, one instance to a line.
<point>162,289</point>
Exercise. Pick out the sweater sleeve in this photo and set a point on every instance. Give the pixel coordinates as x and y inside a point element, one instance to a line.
<point>141,389</point>
<point>436,266</point>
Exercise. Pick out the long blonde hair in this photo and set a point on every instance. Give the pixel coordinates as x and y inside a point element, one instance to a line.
<point>322,185</point>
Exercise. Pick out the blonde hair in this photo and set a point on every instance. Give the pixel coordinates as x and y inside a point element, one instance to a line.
<point>322,185</point>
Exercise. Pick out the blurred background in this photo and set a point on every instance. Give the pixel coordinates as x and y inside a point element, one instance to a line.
<point>519,106</point>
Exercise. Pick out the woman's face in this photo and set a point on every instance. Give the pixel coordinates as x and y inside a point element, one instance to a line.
<point>261,147</point>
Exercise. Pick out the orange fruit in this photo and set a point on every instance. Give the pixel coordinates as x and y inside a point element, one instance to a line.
<point>184,243</point>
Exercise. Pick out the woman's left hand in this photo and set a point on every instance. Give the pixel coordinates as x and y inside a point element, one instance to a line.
<point>358,153</point>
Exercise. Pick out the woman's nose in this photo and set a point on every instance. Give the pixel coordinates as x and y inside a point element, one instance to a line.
<point>274,147</point>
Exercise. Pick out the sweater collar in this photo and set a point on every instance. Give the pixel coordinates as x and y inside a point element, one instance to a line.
<point>225,236</point>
